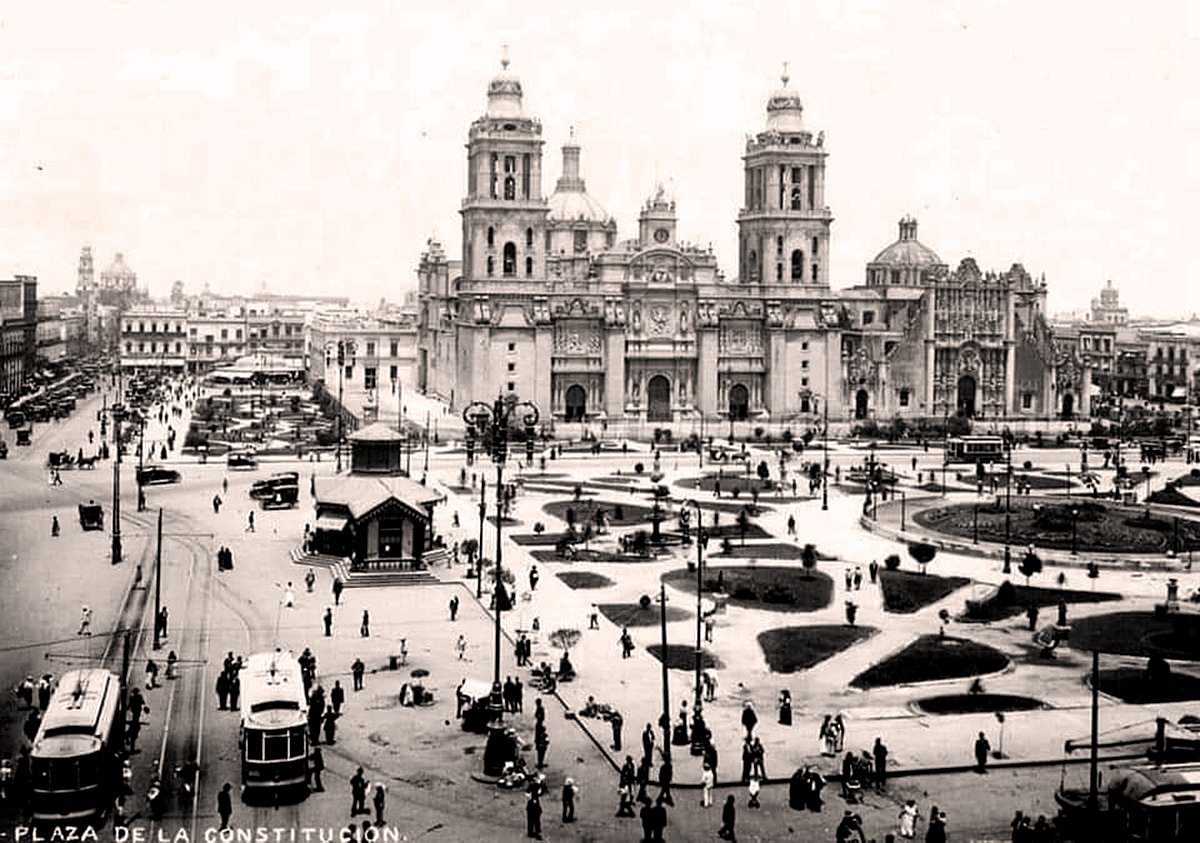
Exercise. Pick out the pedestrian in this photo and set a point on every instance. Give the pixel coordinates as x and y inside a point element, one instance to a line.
<point>648,742</point>
<point>337,697</point>
<point>849,579</point>
<point>533,817</point>
<point>665,775</point>
<point>310,579</point>
<point>358,793</point>
<point>533,578</point>
<point>338,585</point>
<point>380,802</point>
<point>881,753</point>
<point>519,695</point>
<point>570,792</point>
<point>626,641</point>
<point>851,612</point>
<point>235,690</point>
<point>289,596</point>
<point>1032,615</point>
<point>616,720</point>
<point>541,742</point>
<point>163,615</point>
<point>749,719</point>
<point>758,758</point>
<point>747,760</point>
<point>328,622</point>
<point>982,748</point>
<point>364,629</point>
<point>873,571</point>
<point>330,727</point>
<point>316,765</point>
<point>785,707</point>
<point>357,670</point>
<point>709,625</point>
<point>858,578</point>
<point>936,833</point>
<point>706,787</point>
<point>850,828</point>
<point>151,674</point>
<point>791,525</point>
<point>728,820</point>
<point>216,504</point>
<point>54,528</point>
<point>250,521</point>
<point>908,817</point>
<point>454,608</point>
<point>225,805</point>
<point>752,791</point>
<point>460,647</point>
<point>85,622</point>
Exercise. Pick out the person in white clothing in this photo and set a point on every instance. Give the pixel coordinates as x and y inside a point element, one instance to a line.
<point>706,785</point>
<point>908,820</point>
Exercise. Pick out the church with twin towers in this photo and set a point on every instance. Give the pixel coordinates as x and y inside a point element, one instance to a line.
<point>548,303</point>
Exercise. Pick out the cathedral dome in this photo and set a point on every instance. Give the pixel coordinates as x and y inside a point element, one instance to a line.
<point>784,109</point>
<point>504,93</point>
<point>570,201</point>
<point>907,251</point>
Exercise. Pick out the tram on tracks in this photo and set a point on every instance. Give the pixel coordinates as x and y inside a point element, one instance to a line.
<point>274,734</point>
<point>75,761</point>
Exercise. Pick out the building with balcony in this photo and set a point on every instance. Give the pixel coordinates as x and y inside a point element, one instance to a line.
<point>154,340</point>
<point>18,332</point>
<point>379,357</point>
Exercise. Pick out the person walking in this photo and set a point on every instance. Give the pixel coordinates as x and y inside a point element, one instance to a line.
<point>235,690</point>
<point>626,642</point>
<point>727,830</point>
<point>873,571</point>
<point>454,608</point>
<point>569,793</point>
<point>706,787</point>
<point>316,766</point>
<point>358,793</point>
<point>936,832</point>
<point>85,622</point>
<point>338,585</point>
<point>533,816</point>
<point>250,521</point>
<point>648,742</point>
<point>982,748</point>
<point>337,697</point>
<point>151,674</point>
<point>616,720</point>
<point>364,628</point>
<point>216,504</point>
<point>533,578</point>
<point>541,742</point>
<point>225,805</point>
<point>356,671</point>
<point>460,647</point>
<point>758,759</point>
<point>328,619</point>
<point>54,528</point>
<point>330,727</point>
<point>749,719</point>
<point>379,800</point>
<point>310,579</point>
<point>881,753</point>
<point>907,827</point>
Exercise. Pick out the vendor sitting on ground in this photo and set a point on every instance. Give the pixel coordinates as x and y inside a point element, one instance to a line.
<point>566,671</point>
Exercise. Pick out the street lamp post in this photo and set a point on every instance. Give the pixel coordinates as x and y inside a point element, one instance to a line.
<point>699,593</point>
<point>903,510</point>
<point>1074,530</point>
<point>116,410</point>
<point>425,470</point>
<point>825,446</point>
<point>479,550</point>
<point>478,417</point>
<point>1008,508</point>
<point>665,720</point>
<point>975,526</point>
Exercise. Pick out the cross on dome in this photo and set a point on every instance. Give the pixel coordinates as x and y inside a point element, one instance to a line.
<point>504,56</point>
<point>784,77</point>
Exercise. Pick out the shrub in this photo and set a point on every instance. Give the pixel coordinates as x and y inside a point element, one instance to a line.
<point>758,432</point>
<point>1195,472</point>
<point>786,436</point>
<point>808,558</point>
<point>744,592</point>
<point>326,438</point>
<point>923,553</point>
<point>1006,594</point>
<point>1031,564</point>
<point>1027,465</point>
<point>892,562</point>
<point>778,594</point>
<point>638,468</point>
<point>644,602</point>
<point>539,528</point>
<point>763,471</point>
<point>194,439</point>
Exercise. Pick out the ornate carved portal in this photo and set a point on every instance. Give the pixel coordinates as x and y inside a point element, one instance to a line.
<point>968,380</point>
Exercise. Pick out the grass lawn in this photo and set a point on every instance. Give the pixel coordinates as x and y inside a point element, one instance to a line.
<point>631,614</point>
<point>1129,684</point>
<point>584,579</point>
<point>593,555</point>
<point>999,607</point>
<point>788,649</point>
<point>773,587</point>
<point>1139,634</point>
<point>527,539</point>
<point>681,657</point>
<point>906,592</point>
<point>620,514</point>
<point>977,703</point>
<point>930,658</point>
<point>767,550</point>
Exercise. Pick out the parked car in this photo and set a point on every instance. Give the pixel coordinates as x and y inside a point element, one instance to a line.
<point>155,475</point>
<point>284,497</point>
<point>241,460</point>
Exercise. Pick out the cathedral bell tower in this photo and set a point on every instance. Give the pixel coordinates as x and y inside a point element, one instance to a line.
<point>504,212</point>
<point>783,227</point>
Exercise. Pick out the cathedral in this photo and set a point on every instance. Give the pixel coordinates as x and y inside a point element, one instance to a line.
<point>548,303</point>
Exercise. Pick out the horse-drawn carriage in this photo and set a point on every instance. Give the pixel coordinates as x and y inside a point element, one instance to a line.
<point>87,463</point>
<point>91,516</point>
<point>60,460</point>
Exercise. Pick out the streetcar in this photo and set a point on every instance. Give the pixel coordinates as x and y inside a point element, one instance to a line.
<point>975,449</point>
<point>274,734</point>
<point>75,759</point>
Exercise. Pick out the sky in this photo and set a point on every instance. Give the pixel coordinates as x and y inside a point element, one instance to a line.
<point>316,147</point>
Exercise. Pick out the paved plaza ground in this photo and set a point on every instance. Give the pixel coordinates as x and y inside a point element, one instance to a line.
<point>431,765</point>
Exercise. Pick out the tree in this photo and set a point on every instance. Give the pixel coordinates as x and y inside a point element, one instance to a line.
<point>808,557</point>
<point>565,639</point>
<point>763,471</point>
<point>539,528</point>
<point>1031,564</point>
<point>923,553</point>
<point>892,562</point>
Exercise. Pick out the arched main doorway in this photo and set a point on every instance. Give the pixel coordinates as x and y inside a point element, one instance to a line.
<point>1068,410</point>
<point>576,403</point>
<point>966,397</point>
<point>739,403</point>
<point>658,397</point>
<point>861,402</point>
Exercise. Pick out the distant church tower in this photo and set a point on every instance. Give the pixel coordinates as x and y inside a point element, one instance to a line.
<point>86,282</point>
<point>783,227</point>
<point>504,212</point>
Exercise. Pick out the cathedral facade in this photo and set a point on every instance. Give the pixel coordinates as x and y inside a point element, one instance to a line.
<point>549,304</point>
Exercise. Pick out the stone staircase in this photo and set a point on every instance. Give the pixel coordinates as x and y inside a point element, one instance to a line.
<point>340,567</point>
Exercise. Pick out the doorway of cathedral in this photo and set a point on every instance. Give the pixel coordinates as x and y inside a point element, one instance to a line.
<point>576,401</point>
<point>1068,411</point>
<point>966,397</point>
<point>861,401</point>
<point>739,403</point>
<point>658,396</point>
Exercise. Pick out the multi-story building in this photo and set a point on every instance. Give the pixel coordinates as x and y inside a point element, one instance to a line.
<point>18,332</point>
<point>154,339</point>
<point>549,304</point>
<point>379,355</point>
<point>105,301</point>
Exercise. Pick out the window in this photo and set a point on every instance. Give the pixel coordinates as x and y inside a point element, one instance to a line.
<point>512,387</point>
<point>510,259</point>
<point>815,246</point>
<point>393,373</point>
<point>238,335</point>
<point>815,271</point>
<point>512,346</point>
<point>370,349</point>
<point>904,398</point>
<point>868,317</point>
<point>529,238</point>
<point>804,365</point>
<point>349,373</point>
<point>797,265</point>
<point>512,367</point>
<point>395,349</point>
<point>797,201</point>
<point>178,347</point>
<point>491,237</point>
<point>141,347</point>
<point>779,245</point>
<point>528,267</point>
<point>1026,400</point>
<point>752,269</point>
<point>153,347</point>
<point>804,404</point>
<point>580,241</point>
<point>510,187</point>
<point>495,177</point>
<point>369,377</point>
<point>525,168</point>
<point>491,265</point>
<point>778,272</point>
<point>129,348</point>
<point>225,334</point>
<point>804,346</point>
<point>804,381</point>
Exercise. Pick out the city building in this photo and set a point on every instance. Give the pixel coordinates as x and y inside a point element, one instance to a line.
<point>18,332</point>
<point>105,301</point>
<point>154,339</point>
<point>379,357</point>
<point>60,329</point>
<point>548,303</point>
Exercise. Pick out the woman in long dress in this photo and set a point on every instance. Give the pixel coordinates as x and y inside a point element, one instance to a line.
<point>823,735</point>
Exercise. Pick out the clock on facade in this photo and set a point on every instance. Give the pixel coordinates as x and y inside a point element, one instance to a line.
<point>662,235</point>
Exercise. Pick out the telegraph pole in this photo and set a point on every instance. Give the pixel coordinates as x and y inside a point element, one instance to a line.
<point>158,583</point>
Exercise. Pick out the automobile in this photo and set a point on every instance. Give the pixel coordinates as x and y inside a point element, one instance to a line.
<point>91,516</point>
<point>16,418</point>
<point>155,475</point>
<point>265,489</point>
<point>241,460</point>
<point>24,436</point>
<point>284,497</point>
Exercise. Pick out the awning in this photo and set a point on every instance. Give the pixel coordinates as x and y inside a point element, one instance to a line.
<point>1179,392</point>
<point>334,523</point>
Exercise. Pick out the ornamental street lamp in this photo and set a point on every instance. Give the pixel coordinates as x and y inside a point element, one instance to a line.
<point>1074,530</point>
<point>491,424</point>
<point>117,412</point>
<point>699,593</point>
<point>1008,477</point>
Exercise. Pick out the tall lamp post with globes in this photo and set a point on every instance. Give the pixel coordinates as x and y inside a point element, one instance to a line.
<point>699,596</point>
<point>494,420</point>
